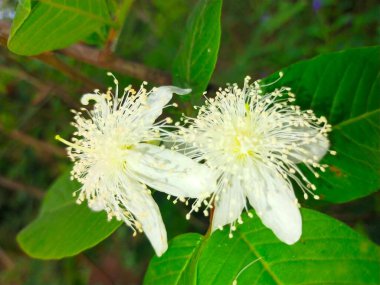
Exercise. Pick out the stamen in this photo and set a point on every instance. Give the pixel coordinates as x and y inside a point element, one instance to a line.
<point>246,135</point>
<point>59,138</point>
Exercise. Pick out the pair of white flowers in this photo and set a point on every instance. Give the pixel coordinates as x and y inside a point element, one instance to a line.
<point>249,145</point>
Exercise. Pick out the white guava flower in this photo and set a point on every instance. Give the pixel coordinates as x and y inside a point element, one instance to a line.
<point>114,161</point>
<point>253,142</point>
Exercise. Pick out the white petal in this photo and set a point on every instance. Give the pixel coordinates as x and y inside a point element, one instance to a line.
<point>319,148</point>
<point>96,205</point>
<point>275,204</point>
<point>229,206</point>
<point>141,204</point>
<point>185,148</point>
<point>314,150</point>
<point>161,96</point>
<point>170,172</point>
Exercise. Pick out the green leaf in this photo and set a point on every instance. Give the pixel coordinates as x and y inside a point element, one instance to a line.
<point>196,59</point>
<point>64,228</point>
<point>329,252</point>
<point>53,24</point>
<point>59,193</point>
<point>170,268</point>
<point>345,88</point>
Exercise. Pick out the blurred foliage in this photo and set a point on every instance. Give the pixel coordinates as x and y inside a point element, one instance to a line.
<point>258,37</point>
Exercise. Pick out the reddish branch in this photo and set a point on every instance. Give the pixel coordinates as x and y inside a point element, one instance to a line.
<point>17,186</point>
<point>51,59</point>
<point>4,32</point>
<point>44,88</point>
<point>94,57</point>
<point>6,260</point>
<point>39,146</point>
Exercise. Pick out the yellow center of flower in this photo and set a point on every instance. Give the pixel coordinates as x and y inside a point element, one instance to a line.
<point>242,140</point>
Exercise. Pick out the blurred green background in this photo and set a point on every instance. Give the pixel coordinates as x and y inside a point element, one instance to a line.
<point>258,38</point>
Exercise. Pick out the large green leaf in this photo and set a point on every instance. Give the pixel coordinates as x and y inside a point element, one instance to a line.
<point>344,87</point>
<point>64,228</point>
<point>52,24</point>
<point>329,252</point>
<point>170,269</point>
<point>196,59</point>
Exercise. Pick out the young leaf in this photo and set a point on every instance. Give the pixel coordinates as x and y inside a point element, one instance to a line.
<point>345,88</point>
<point>329,252</point>
<point>196,59</point>
<point>52,24</point>
<point>64,228</point>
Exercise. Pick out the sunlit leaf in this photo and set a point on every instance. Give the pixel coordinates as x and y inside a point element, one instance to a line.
<point>329,252</point>
<point>64,228</point>
<point>170,269</point>
<point>52,24</point>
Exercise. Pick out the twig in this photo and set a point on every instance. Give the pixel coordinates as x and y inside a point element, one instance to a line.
<point>51,59</point>
<point>17,186</point>
<point>105,277</point>
<point>94,57</point>
<point>137,70</point>
<point>44,87</point>
<point>6,260</point>
<point>4,32</point>
<point>121,13</point>
<point>38,145</point>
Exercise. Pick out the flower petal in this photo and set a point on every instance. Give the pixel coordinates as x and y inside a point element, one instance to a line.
<point>170,172</point>
<point>96,205</point>
<point>315,150</point>
<point>229,206</point>
<point>275,204</point>
<point>161,96</point>
<point>141,204</point>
